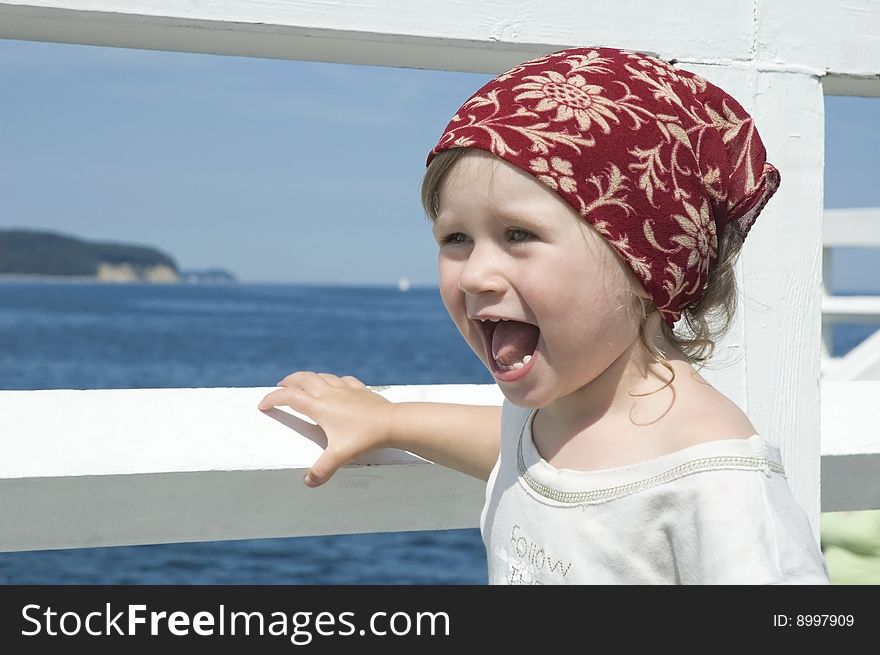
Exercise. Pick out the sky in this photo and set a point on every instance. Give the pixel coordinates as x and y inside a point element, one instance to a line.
<point>279,171</point>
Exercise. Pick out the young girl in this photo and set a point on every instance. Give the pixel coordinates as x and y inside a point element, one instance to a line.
<point>584,203</point>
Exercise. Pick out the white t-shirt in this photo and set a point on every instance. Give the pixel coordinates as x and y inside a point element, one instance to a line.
<point>719,512</point>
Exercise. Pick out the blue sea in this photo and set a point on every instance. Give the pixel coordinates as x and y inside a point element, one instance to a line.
<point>83,335</point>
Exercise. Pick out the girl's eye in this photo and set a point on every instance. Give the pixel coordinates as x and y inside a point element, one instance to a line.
<point>455,237</point>
<point>514,234</point>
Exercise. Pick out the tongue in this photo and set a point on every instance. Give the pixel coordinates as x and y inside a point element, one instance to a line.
<point>512,340</point>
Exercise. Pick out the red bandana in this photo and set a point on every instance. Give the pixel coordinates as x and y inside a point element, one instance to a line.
<point>657,159</point>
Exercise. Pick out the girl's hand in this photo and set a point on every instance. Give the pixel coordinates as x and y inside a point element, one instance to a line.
<point>353,418</point>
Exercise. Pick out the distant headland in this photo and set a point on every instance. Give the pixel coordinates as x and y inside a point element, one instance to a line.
<point>36,254</point>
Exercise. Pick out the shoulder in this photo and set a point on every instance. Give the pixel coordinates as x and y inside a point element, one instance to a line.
<point>705,414</point>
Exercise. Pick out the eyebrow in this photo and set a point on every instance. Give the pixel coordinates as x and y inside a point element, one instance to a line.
<point>439,223</point>
<point>521,219</point>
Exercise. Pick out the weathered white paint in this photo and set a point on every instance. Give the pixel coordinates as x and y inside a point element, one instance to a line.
<point>149,466</point>
<point>839,38</point>
<point>118,467</point>
<point>850,446</point>
<point>485,37</point>
<point>777,58</point>
<point>784,351</point>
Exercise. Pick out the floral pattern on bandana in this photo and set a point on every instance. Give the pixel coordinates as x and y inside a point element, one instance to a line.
<point>656,158</point>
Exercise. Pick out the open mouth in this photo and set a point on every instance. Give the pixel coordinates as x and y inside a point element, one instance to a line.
<point>509,344</point>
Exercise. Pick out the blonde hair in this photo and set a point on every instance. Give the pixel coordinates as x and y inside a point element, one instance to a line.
<point>701,324</point>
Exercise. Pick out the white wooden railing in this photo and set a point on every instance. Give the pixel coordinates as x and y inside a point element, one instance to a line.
<point>851,383</point>
<point>153,466</point>
<point>149,466</point>
<point>857,228</point>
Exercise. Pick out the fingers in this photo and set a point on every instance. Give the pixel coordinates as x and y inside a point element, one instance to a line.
<point>308,392</point>
<point>315,382</point>
<point>332,380</point>
<point>296,378</point>
<point>294,397</point>
<point>323,469</point>
<point>312,383</point>
<point>300,400</point>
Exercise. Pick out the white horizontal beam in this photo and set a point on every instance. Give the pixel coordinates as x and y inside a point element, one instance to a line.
<point>850,446</point>
<point>840,39</point>
<point>857,227</point>
<point>121,467</point>
<point>866,86</point>
<point>851,309</point>
<point>484,37</point>
<point>480,37</point>
<point>146,466</point>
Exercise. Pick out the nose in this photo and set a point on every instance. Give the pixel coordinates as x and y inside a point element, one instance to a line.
<point>481,272</point>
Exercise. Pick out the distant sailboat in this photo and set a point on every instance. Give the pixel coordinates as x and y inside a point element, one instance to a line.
<point>403,284</point>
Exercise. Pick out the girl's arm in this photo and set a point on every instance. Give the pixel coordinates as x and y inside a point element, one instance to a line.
<point>356,420</point>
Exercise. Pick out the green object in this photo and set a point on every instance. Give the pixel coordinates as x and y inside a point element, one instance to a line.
<point>851,545</point>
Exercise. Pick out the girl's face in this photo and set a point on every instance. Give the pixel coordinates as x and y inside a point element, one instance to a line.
<point>512,249</point>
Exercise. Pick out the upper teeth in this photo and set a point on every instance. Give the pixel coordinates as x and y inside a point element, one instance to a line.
<point>494,320</point>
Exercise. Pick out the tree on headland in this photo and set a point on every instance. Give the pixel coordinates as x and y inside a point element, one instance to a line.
<point>28,252</point>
